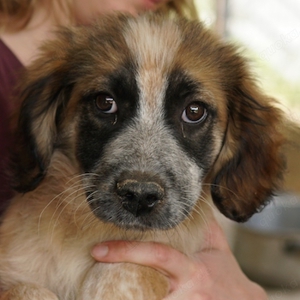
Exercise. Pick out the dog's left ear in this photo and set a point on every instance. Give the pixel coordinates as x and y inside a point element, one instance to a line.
<point>250,165</point>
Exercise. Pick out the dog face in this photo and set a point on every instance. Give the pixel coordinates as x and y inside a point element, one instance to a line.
<point>153,112</point>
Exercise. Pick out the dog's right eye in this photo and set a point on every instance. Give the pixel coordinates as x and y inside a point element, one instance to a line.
<point>194,113</point>
<point>106,103</point>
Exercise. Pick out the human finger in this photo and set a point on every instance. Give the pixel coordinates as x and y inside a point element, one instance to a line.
<point>172,263</point>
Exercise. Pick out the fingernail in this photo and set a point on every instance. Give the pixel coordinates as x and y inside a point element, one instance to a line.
<point>99,251</point>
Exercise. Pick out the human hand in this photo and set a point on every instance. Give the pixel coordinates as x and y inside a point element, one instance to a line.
<point>212,273</point>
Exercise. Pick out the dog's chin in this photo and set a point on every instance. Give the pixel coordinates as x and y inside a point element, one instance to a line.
<point>149,223</point>
<point>157,220</point>
<point>136,226</point>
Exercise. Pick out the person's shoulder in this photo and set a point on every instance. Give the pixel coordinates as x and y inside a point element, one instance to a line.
<point>8,60</point>
<point>10,68</point>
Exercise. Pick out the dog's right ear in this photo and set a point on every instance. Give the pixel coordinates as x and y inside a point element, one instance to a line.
<point>43,93</point>
<point>251,163</point>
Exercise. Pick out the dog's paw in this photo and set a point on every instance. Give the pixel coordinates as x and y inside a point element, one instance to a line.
<point>123,281</point>
<point>28,292</point>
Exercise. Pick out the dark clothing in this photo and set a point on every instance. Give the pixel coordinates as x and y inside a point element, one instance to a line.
<point>10,68</point>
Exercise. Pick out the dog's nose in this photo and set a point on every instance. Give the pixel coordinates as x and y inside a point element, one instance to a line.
<point>139,197</point>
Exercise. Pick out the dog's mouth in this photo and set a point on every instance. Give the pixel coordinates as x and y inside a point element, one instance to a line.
<point>139,201</point>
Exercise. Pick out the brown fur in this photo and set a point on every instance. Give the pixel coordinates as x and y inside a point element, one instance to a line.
<point>48,231</point>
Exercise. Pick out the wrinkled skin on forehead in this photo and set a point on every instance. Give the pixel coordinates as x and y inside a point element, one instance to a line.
<point>155,73</point>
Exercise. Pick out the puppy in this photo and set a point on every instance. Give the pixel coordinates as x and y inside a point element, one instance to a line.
<point>131,129</point>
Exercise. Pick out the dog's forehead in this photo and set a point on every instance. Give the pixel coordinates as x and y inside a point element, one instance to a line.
<point>153,46</point>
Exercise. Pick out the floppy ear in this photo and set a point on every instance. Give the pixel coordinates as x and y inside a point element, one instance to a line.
<point>250,164</point>
<point>43,92</point>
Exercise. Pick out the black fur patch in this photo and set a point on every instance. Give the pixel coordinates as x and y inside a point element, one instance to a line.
<point>95,128</point>
<point>196,139</point>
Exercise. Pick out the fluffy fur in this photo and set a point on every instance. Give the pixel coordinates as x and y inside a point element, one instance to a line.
<point>126,129</point>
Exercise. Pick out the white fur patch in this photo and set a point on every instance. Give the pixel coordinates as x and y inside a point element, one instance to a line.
<point>154,48</point>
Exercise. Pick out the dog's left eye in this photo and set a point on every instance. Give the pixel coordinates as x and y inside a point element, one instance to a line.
<point>106,103</point>
<point>194,113</point>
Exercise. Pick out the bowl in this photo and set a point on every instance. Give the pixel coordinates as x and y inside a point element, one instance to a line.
<point>267,247</point>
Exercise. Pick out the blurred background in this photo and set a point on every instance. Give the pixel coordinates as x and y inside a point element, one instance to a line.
<point>268,33</point>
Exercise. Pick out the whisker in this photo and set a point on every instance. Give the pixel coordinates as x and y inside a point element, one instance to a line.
<point>76,184</point>
<point>90,213</point>
<point>49,203</point>
<point>66,201</point>
<point>221,186</point>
